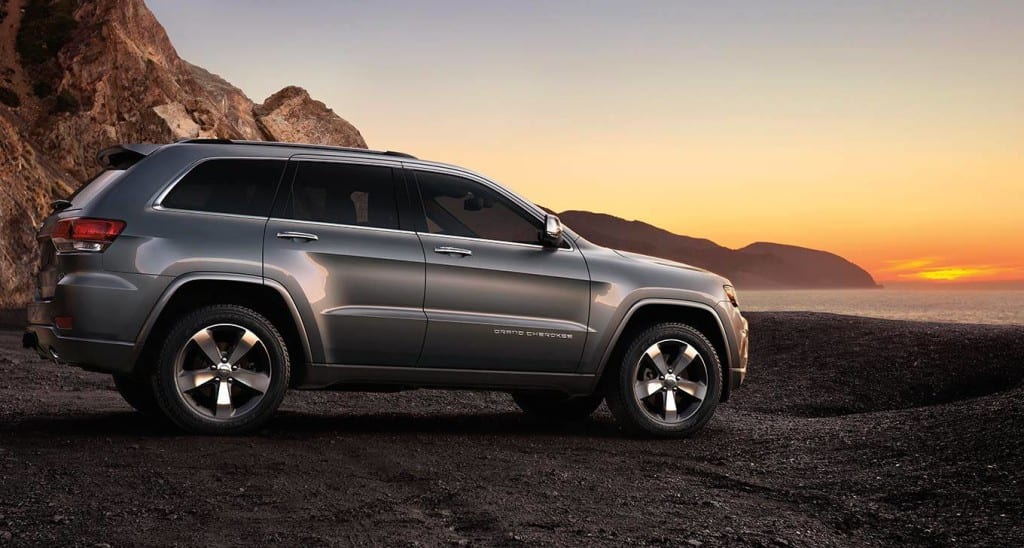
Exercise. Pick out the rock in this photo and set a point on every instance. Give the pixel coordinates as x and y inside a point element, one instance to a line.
<point>292,115</point>
<point>179,121</point>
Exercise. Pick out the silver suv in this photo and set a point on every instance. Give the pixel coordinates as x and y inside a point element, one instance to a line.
<point>209,276</point>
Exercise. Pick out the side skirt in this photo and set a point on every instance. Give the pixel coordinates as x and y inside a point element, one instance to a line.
<point>337,377</point>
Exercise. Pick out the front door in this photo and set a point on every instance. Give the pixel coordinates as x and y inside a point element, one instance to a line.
<point>334,240</point>
<point>495,298</point>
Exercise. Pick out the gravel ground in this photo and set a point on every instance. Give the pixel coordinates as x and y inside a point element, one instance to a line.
<point>850,432</point>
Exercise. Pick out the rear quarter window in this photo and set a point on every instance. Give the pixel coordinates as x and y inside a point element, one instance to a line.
<point>93,187</point>
<point>236,186</point>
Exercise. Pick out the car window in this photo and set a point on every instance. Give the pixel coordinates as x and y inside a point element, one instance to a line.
<point>239,186</point>
<point>347,194</point>
<point>460,207</point>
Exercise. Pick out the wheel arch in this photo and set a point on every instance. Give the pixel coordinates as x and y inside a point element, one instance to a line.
<point>196,290</point>
<point>648,312</point>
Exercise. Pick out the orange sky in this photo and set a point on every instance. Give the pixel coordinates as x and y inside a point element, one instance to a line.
<point>891,133</point>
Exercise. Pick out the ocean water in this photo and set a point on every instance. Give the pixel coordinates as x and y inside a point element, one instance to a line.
<point>1003,307</point>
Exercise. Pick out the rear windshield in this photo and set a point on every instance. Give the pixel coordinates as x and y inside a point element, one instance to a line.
<point>93,187</point>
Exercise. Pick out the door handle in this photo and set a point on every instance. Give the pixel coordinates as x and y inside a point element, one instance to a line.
<point>289,235</point>
<point>447,250</point>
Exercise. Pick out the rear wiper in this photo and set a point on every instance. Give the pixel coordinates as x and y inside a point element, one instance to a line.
<point>59,205</point>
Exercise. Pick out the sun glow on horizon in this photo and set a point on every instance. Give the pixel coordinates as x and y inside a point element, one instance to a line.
<point>936,270</point>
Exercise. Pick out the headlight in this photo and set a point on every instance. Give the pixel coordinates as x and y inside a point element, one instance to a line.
<point>730,292</point>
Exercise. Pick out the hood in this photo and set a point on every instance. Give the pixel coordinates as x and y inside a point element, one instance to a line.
<point>658,261</point>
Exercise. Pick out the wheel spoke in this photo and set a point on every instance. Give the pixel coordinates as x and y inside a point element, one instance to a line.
<point>670,405</point>
<point>245,344</point>
<point>646,389</point>
<point>204,340</point>
<point>684,359</point>
<point>654,353</point>
<point>190,380</point>
<point>696,390</point>
<point>259,382</point>
<point>224,408</point>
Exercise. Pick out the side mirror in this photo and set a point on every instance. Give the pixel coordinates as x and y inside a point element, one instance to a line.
<point>552,236</point>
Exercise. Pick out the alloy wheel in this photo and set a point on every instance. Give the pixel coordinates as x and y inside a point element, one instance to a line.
<point>223,371</point>
<point>670,381</point>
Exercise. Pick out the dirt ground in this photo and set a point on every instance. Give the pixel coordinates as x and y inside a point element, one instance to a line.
<point>850,432</point>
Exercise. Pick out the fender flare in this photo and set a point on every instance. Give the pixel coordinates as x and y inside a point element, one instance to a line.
<point>680,303</point>
<point>180,281</point>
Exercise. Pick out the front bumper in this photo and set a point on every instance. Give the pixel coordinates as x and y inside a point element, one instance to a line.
<point>91,354</point>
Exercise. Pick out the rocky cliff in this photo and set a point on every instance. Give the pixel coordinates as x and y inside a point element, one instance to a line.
<point>78,76</point>
<point>757,266</point>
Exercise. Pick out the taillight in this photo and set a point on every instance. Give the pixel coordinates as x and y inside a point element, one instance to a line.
<point>84,234</point>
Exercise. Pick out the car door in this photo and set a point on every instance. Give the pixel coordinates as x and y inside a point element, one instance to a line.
<point>334,241</point>
<point>495,298</point>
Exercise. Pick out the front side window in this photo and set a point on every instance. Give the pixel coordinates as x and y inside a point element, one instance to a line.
<point>239,186</point>
<point>460,207</point>
<point>345,194</point>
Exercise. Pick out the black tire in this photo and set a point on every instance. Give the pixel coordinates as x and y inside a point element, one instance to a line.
<point>650,415</point>
<point>137,391</point>
<point>556,407</point>
<point>183,407</point>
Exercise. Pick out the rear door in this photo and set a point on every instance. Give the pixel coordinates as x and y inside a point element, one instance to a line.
<point>495,298</point>
<point>334,240</point>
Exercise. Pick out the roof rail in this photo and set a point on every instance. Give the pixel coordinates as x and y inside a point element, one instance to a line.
<point>297,145</point>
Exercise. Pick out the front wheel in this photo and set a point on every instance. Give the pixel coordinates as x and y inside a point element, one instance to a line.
<point>668,383</point>
<point>223,369</point>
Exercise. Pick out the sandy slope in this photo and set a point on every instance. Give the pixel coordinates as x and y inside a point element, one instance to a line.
<point>850,432</point>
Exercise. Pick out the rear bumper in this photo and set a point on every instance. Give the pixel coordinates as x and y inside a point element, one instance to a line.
<point>91,354</point>
<point>106,310</point>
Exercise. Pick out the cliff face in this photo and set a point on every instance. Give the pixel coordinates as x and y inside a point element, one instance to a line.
<point>27,181</point>
<point>757,266</point>
<point>76,77</point>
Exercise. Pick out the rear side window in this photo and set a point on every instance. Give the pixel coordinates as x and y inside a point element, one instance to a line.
<point>344,194</point>
<point>238,186</point>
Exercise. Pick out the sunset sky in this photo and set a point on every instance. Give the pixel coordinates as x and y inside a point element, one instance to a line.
<point>891,133</point>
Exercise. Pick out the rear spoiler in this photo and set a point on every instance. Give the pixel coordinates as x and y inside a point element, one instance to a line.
<point>124,156</point>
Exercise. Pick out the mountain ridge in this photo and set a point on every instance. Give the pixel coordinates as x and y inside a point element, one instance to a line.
<point>760,265</point>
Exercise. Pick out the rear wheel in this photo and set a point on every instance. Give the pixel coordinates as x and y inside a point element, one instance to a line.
<point>224,369</point>
<point>668,383</point>
<point>557,407</point>
<point>138,393</point>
